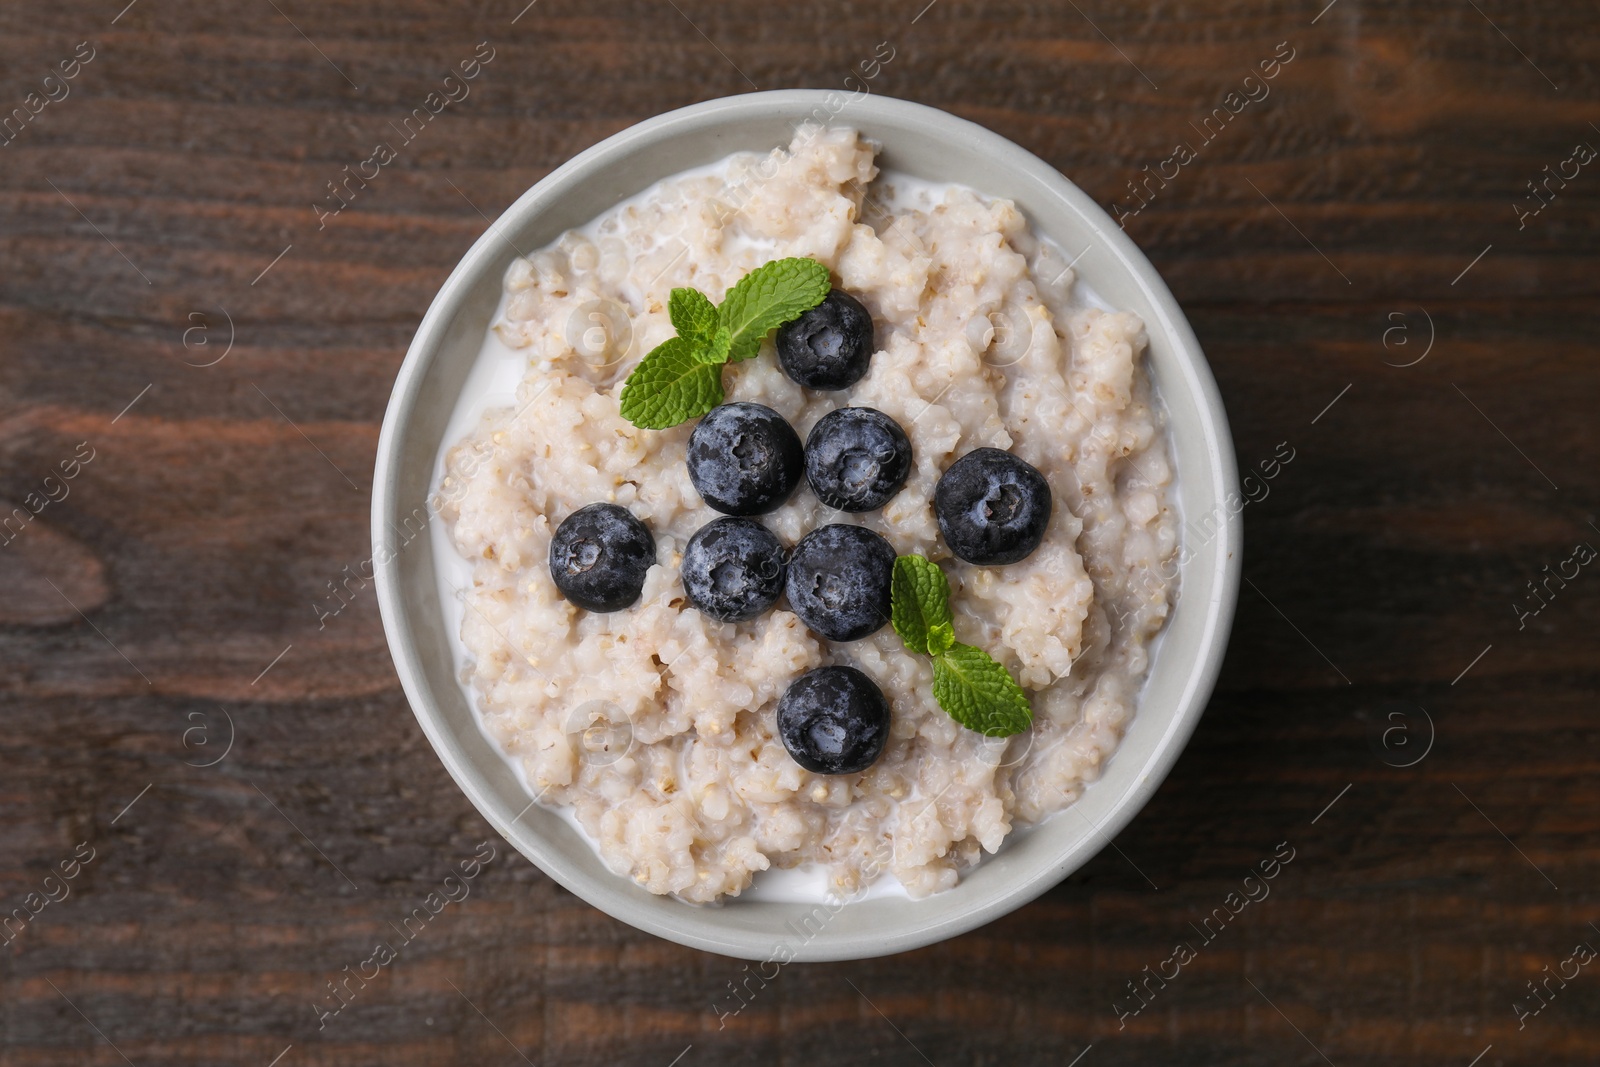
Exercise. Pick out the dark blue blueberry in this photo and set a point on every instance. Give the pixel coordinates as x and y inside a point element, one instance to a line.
<point>834,720</point>
<point>744,459</point>
<point>992,507</point>
<point>599,557</point>
<point>857,459</point>
<point>733,569</point>
<point>838,581</point>
<point>829,346</point>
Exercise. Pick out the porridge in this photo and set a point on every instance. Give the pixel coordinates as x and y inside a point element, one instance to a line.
<point>656,726</point>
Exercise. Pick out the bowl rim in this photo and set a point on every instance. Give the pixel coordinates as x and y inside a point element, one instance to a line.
<point>1199,382</point>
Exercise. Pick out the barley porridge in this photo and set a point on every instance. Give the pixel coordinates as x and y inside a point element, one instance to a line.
<point>983,338</point>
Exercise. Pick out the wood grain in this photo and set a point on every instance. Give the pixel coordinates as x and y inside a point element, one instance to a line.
<point>165,604</point>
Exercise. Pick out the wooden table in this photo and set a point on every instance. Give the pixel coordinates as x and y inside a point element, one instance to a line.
<point>1359,253</point>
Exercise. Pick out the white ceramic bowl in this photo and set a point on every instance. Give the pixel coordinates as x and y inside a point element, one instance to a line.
<point>928,144</point>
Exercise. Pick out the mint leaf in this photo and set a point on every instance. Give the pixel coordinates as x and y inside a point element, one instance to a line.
<point>693,315</point>
<point>769,296</point>
<point>919,605</point>
<point>670,385</point>
<point>715,352</point>
<point>979,694</point>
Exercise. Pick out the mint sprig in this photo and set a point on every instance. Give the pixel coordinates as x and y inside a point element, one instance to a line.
<point>969,685</point>
<point>681,378</point>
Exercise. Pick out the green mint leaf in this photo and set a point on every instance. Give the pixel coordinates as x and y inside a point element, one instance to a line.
<point>919,605</point>
<point>769,296</point>
<point>715,352</point>
<point>693,315</point>
<point>670,385</point>
<point>979,694</point>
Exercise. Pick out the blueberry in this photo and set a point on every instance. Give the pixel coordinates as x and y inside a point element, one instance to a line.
<point>827,347</point>
<point>744,459</point>
<point>857,459</point>
<point>733,569</point>
<point>834,720</point>
<point>599,557</point>
<point>838,581</point>
<point>992,507</point>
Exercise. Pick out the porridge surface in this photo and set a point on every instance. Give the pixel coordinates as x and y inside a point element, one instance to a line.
<point>655,724</point>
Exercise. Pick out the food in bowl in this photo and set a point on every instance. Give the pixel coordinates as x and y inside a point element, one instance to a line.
<point>978,338</point>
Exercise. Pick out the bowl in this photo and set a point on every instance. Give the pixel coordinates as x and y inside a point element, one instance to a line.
<point>925,143</point>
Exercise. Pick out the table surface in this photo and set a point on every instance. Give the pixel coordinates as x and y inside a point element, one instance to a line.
<point>1374,280</point>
